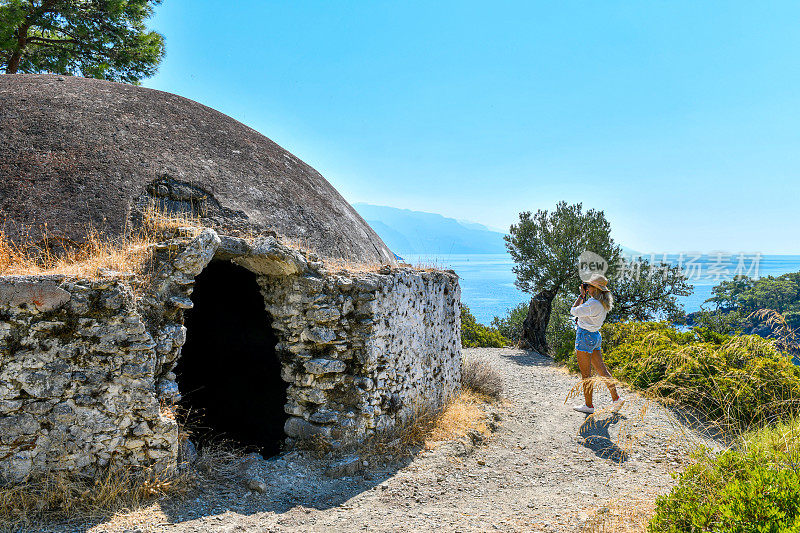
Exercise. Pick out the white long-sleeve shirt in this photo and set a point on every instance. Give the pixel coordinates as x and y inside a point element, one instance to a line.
<point>591,314</point>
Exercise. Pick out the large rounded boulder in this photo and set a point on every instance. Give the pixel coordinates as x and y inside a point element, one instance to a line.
<point>78,153</point>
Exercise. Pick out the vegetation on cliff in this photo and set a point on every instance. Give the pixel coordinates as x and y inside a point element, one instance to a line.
<point>748,389</point>
<point>754,486</point>
<point>737,304</point>
<point>476,335</point>
<point>736,382</point>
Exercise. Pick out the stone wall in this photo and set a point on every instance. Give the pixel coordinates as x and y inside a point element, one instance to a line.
<point>77,379</point>
<point>86,366</point>
<point>361,351</point>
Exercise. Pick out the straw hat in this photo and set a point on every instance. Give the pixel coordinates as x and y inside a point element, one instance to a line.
<point>599,281</point>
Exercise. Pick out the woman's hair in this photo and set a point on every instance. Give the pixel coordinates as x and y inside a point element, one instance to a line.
<point>605,298</point>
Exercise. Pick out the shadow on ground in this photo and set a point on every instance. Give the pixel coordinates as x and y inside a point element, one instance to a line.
<point>529,358</point>
<point>292,480</point>
<point>596,437</point>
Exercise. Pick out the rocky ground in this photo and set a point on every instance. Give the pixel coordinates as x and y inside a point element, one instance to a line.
<point>546,468</point>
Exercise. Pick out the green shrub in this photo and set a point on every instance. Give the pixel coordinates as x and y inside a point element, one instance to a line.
<point>741,297</point>
<point>561,333</point>
<point>510,326</point>
<point>738,382</point>
<point>476,335</point>
<point>755,487</point>
<point>722,322</point>
<point>560,330</point>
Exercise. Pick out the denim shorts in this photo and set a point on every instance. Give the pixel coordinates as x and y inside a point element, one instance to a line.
<point>587,341</point>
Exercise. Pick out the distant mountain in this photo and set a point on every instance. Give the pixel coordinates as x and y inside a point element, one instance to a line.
<point>415,232</point>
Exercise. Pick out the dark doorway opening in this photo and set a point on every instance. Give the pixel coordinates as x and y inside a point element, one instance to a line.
<point>229,372</point>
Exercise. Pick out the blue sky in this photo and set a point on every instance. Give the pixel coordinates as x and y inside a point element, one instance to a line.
<point>680,119</point>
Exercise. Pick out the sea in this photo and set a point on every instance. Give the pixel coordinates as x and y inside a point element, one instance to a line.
<point>487,282</point>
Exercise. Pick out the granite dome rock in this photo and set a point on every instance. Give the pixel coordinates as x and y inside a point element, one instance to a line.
<point>77,152</point>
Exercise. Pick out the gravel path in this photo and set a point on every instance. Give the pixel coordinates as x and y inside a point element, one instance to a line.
<point>545,469</point>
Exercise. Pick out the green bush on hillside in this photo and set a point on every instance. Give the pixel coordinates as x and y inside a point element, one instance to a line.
<point>476,335</point>
<point>561,333</point>
<point>510,326</point>
<point>755,487</point>
<point>737,299</point>
<point>738,382</point>
<point>560,330</point>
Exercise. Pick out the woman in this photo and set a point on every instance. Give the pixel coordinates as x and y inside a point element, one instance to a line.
<point>590,310</point>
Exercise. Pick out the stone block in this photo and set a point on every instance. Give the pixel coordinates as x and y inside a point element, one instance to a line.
<point>42,296</point>
<point>198,253</point>
<point>15,426</point>
<point>181,302</point>
<point>302,429</point>
<point>318,335</point>
<point>17,467</point>
<point>324,416</point>
<point>311,395</point>
<point>325,314</point>
<point>324,366</point>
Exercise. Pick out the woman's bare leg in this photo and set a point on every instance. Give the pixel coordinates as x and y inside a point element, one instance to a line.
<point>584,362</point>
<point>600,366</point>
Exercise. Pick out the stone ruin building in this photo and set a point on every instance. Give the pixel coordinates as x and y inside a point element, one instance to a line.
<point>250,320</point>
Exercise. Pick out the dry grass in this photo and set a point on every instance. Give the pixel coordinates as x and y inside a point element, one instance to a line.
<point>351,267</point>
<point>464,413</point>
<point>426,264</point>
<point>479,376</point>
<point>426,428</point>
<point>95,253</point>
<point>787,339</point>
<point>728,387</point>
<point>61,496</point>
<point>220,461</point>
<point>65,497</point>
<point>625,514</point>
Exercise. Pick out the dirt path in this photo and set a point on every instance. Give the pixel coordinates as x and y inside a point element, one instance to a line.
<point>543,470</point>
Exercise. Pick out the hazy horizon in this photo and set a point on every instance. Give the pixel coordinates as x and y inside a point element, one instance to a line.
<point>467,223</point>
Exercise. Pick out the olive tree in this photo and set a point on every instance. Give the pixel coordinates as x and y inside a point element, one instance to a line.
<point>104,39</point>
<point>546,246</point>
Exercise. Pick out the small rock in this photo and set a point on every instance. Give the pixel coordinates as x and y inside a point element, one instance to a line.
<point>181,302</point>
<point>476,437</point>
<point>301,429</point>
<point>255,484</point>
<point>346,467</point>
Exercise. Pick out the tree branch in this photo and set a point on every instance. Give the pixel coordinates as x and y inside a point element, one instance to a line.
<point>51,41</point>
